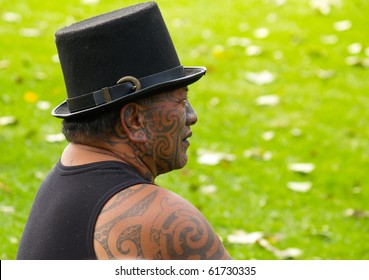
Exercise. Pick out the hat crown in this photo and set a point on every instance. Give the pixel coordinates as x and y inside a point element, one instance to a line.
<point>97,52</point>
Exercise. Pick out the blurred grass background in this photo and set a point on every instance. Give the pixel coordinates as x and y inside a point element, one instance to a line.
<point>308,106</point>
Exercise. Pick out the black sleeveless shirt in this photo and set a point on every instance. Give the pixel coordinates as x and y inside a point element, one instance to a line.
<point>63,216</point>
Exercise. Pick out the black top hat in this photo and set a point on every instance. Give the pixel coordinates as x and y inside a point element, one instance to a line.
<point>117,57</point>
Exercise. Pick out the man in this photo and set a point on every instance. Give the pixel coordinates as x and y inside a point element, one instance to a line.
<point>128,119</point>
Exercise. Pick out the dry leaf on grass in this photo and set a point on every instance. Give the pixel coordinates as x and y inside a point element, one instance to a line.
<point>299,186</point>
<point>303,168</point>
<point>260,78</point>
<point>30,32</point>
<point>7,209</point>
<point>268,135</point>
<point>258,154</point>
<point>90,2</point>
<point>268,100</point>
<point>289,253</point>
<point>342,25</point>
<point>356,213</point>
<point>7,120</point>
<point>242,237</point>
<point>43,105</point>
<point>354,48</point>
<point>213,158</point>
<point>209,189</point>
<point>261,33</point>
<point>253,50</point>
<point>329,39</point>
<point>4,64</point>
<point>11,17</point>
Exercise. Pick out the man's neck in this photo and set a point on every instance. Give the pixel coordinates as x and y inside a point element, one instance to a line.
<point>80,154</point>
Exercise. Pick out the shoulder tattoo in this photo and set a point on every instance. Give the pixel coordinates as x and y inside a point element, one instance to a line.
<point>156,225</point>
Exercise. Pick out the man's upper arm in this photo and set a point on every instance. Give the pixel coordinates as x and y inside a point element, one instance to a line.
<point>148,222</point>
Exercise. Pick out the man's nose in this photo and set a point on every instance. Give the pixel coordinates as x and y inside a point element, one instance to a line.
<point>191,117</point>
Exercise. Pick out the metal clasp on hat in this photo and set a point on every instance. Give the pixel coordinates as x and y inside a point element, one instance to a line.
<point>135,82</point>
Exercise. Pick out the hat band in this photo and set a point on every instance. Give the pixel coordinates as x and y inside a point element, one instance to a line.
<point>109,94</point>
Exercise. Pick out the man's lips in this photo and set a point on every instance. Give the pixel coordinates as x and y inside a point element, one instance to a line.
<point>185,140</point>
<point>188,136</point>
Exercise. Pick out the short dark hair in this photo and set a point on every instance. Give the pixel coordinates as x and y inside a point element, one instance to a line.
<point>98,126</point>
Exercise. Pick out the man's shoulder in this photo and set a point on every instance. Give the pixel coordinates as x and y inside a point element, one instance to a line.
<point>150,222</point>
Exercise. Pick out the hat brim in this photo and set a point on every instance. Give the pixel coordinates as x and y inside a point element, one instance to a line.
<point>192,74</point>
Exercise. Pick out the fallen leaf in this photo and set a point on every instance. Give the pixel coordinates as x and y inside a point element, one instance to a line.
<point>40,76</point>
<point>4,64</point>
<point>354,48</point>
<point>329,39</point>
<point>280,122</point>
<point>55,58</point>
<point>238,41</point>
<point>40,175</point>
<point>7,209</point>
<point>268,135</point>
<point>357,61</point>
<point>260,78</point>
<point>30,32</point>
<point>304,168</point>
<point>242,237</point>
<point>258,154</point>
<point>365,62</point>
<point>325,74</point>
<point>261,33</point>
<point>213,158</point>
<point>299,186</point>
<point>342,25</point>
<point>7,120</point>
<point>54,138</point>
<point>289,253</point>
<point>11,17</point>
<point>322,6</point>
<point>279,2</point>
<point>208,189</point>
<point>356,213</point>
<point>352,60</point>
<point>253,50</point>
<point>296,132</point>
<point>13,240</point>
<point>90,2</point>
<point>268,100</point>
<point>43,105</point>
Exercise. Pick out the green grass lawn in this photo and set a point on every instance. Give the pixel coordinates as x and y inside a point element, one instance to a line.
<point>309,106</point>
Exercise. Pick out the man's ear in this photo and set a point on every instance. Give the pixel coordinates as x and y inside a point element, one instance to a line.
<point>132,121</point>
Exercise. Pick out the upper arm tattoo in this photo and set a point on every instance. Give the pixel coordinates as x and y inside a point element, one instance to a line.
<point>182,233</point>
<point>102,232</point>
<point>158,227</point>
